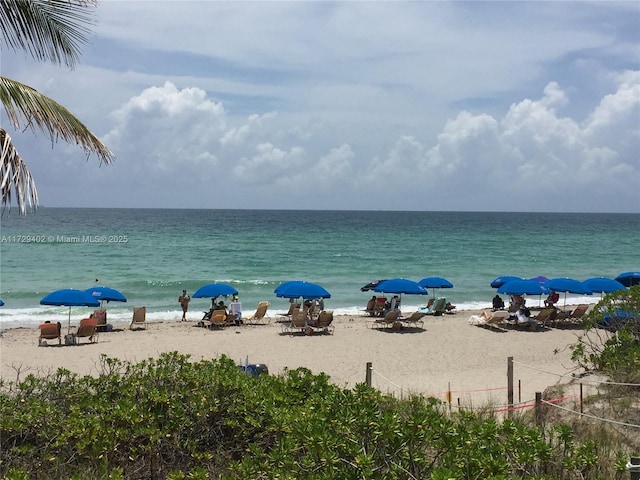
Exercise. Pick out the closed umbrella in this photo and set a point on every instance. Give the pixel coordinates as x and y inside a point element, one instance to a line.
<point>370,285</point>
<point>69,297</point>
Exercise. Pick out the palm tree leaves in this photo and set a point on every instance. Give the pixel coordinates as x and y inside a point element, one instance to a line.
<point>14,172</point>
<point>40,111</point>
<point>52,30</point>
<point>49,30</point>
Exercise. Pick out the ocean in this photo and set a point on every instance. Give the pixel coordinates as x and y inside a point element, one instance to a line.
<point>150,255</point>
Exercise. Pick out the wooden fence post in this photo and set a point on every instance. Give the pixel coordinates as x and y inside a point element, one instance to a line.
<point>538,409</point>
<point>367,376</point>
<point>509,386</point>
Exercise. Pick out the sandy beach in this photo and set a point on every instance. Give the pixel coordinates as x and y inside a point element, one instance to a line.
<point>448,353</point>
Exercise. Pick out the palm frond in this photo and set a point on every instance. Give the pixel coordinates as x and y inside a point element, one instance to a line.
<point>50,30</point>
<point>23,102</point>
<point>15,175</point>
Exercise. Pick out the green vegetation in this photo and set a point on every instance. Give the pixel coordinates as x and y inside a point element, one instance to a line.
<point>176,419</point>
<point>614,350</point>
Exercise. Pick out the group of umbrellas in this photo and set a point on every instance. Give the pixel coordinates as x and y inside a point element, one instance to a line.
<point>510,285</point>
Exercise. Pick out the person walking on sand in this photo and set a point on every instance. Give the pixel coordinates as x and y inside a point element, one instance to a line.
<point>184,300</point>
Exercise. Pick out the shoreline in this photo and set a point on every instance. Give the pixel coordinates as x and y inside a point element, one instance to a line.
<point>447,354</point>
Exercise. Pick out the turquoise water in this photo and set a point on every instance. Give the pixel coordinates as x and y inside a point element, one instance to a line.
<point>152,254</point>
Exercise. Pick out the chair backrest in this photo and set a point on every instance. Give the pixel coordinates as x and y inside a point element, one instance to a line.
<point>579,311</point>
<point>392,316</point>
<point>299,318</point>
<point>417,315</point>
<point>325,318</point>
<point>292,307</point>
<point>100,316</point>
<point>50,330</point>
<point>498,316</point>
<point>219,318</point>
<point>87,327</point>
<point>139,314</point>
<point>439,306</point>
<point>261,311</point>
<point>139,317</point>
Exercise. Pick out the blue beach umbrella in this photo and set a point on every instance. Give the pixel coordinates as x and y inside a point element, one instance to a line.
<point>435,282</point>
<point>69,297</point>
<point>603,284</point>
<point>215,290</point>
<point>629,279</point>
<point>106,294</point>
<point>522,287</point>
<point>1,302</point>
<point>540,279</point>
<point>567,285</point>
<point>500,281</point>
<point>400,285</point>
<point>370,285</point>
<point>300,288</point>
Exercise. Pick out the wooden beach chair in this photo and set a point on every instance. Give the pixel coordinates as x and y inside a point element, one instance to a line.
<point>324,322</point>
<point>414,319</point>
<point>298,323</point>
<point>87,329</point>
<point>139,318</point>
<point>259,315</point>
<point>218,319</point>
<point>571,318</point>
<point>387,321</point>
<point>438,307</point>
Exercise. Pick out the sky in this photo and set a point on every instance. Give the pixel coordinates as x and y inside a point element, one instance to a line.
<point>354,105</point>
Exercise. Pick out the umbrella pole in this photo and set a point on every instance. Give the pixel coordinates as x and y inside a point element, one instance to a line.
<point>69,321</point>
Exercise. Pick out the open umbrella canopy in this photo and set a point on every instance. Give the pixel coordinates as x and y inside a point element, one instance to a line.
<point>567,285</point>
<point>1,302</point>
<point>435,282</point>
<point>400,285</point>
<point>603,285</point>
<point>69,297</point>
<point>106,294</point>
<point>500,281</point>
<point>370,285</point>
<point>540,279</point>
<point>300,288</point>
<point>215,290</point>
<point>522,287</point>
<point>629,279</point>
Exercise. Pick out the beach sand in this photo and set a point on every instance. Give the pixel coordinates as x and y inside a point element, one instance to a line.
<point>448,353</point>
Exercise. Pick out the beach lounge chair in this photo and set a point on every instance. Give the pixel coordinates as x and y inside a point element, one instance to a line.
<point>298,322</point>
<point>324,324</point>
<point>437,308</point>
<point>87,329</point>
<point>139,318</point>
<point>414,319</point>
<point>218,319</point>
<point>101,317</point>
<point>50,331</point>
<point>284,317</point>
<point>546,316</point>
<point>259,315</point>
<point>489,319</point>
<point>571,318</point>
<point>387,321</point>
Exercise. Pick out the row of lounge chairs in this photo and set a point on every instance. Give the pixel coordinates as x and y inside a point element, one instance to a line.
<point>220,319</point>
<point>301,322</point>
<point>547,317</point>
<point>53,331</point>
